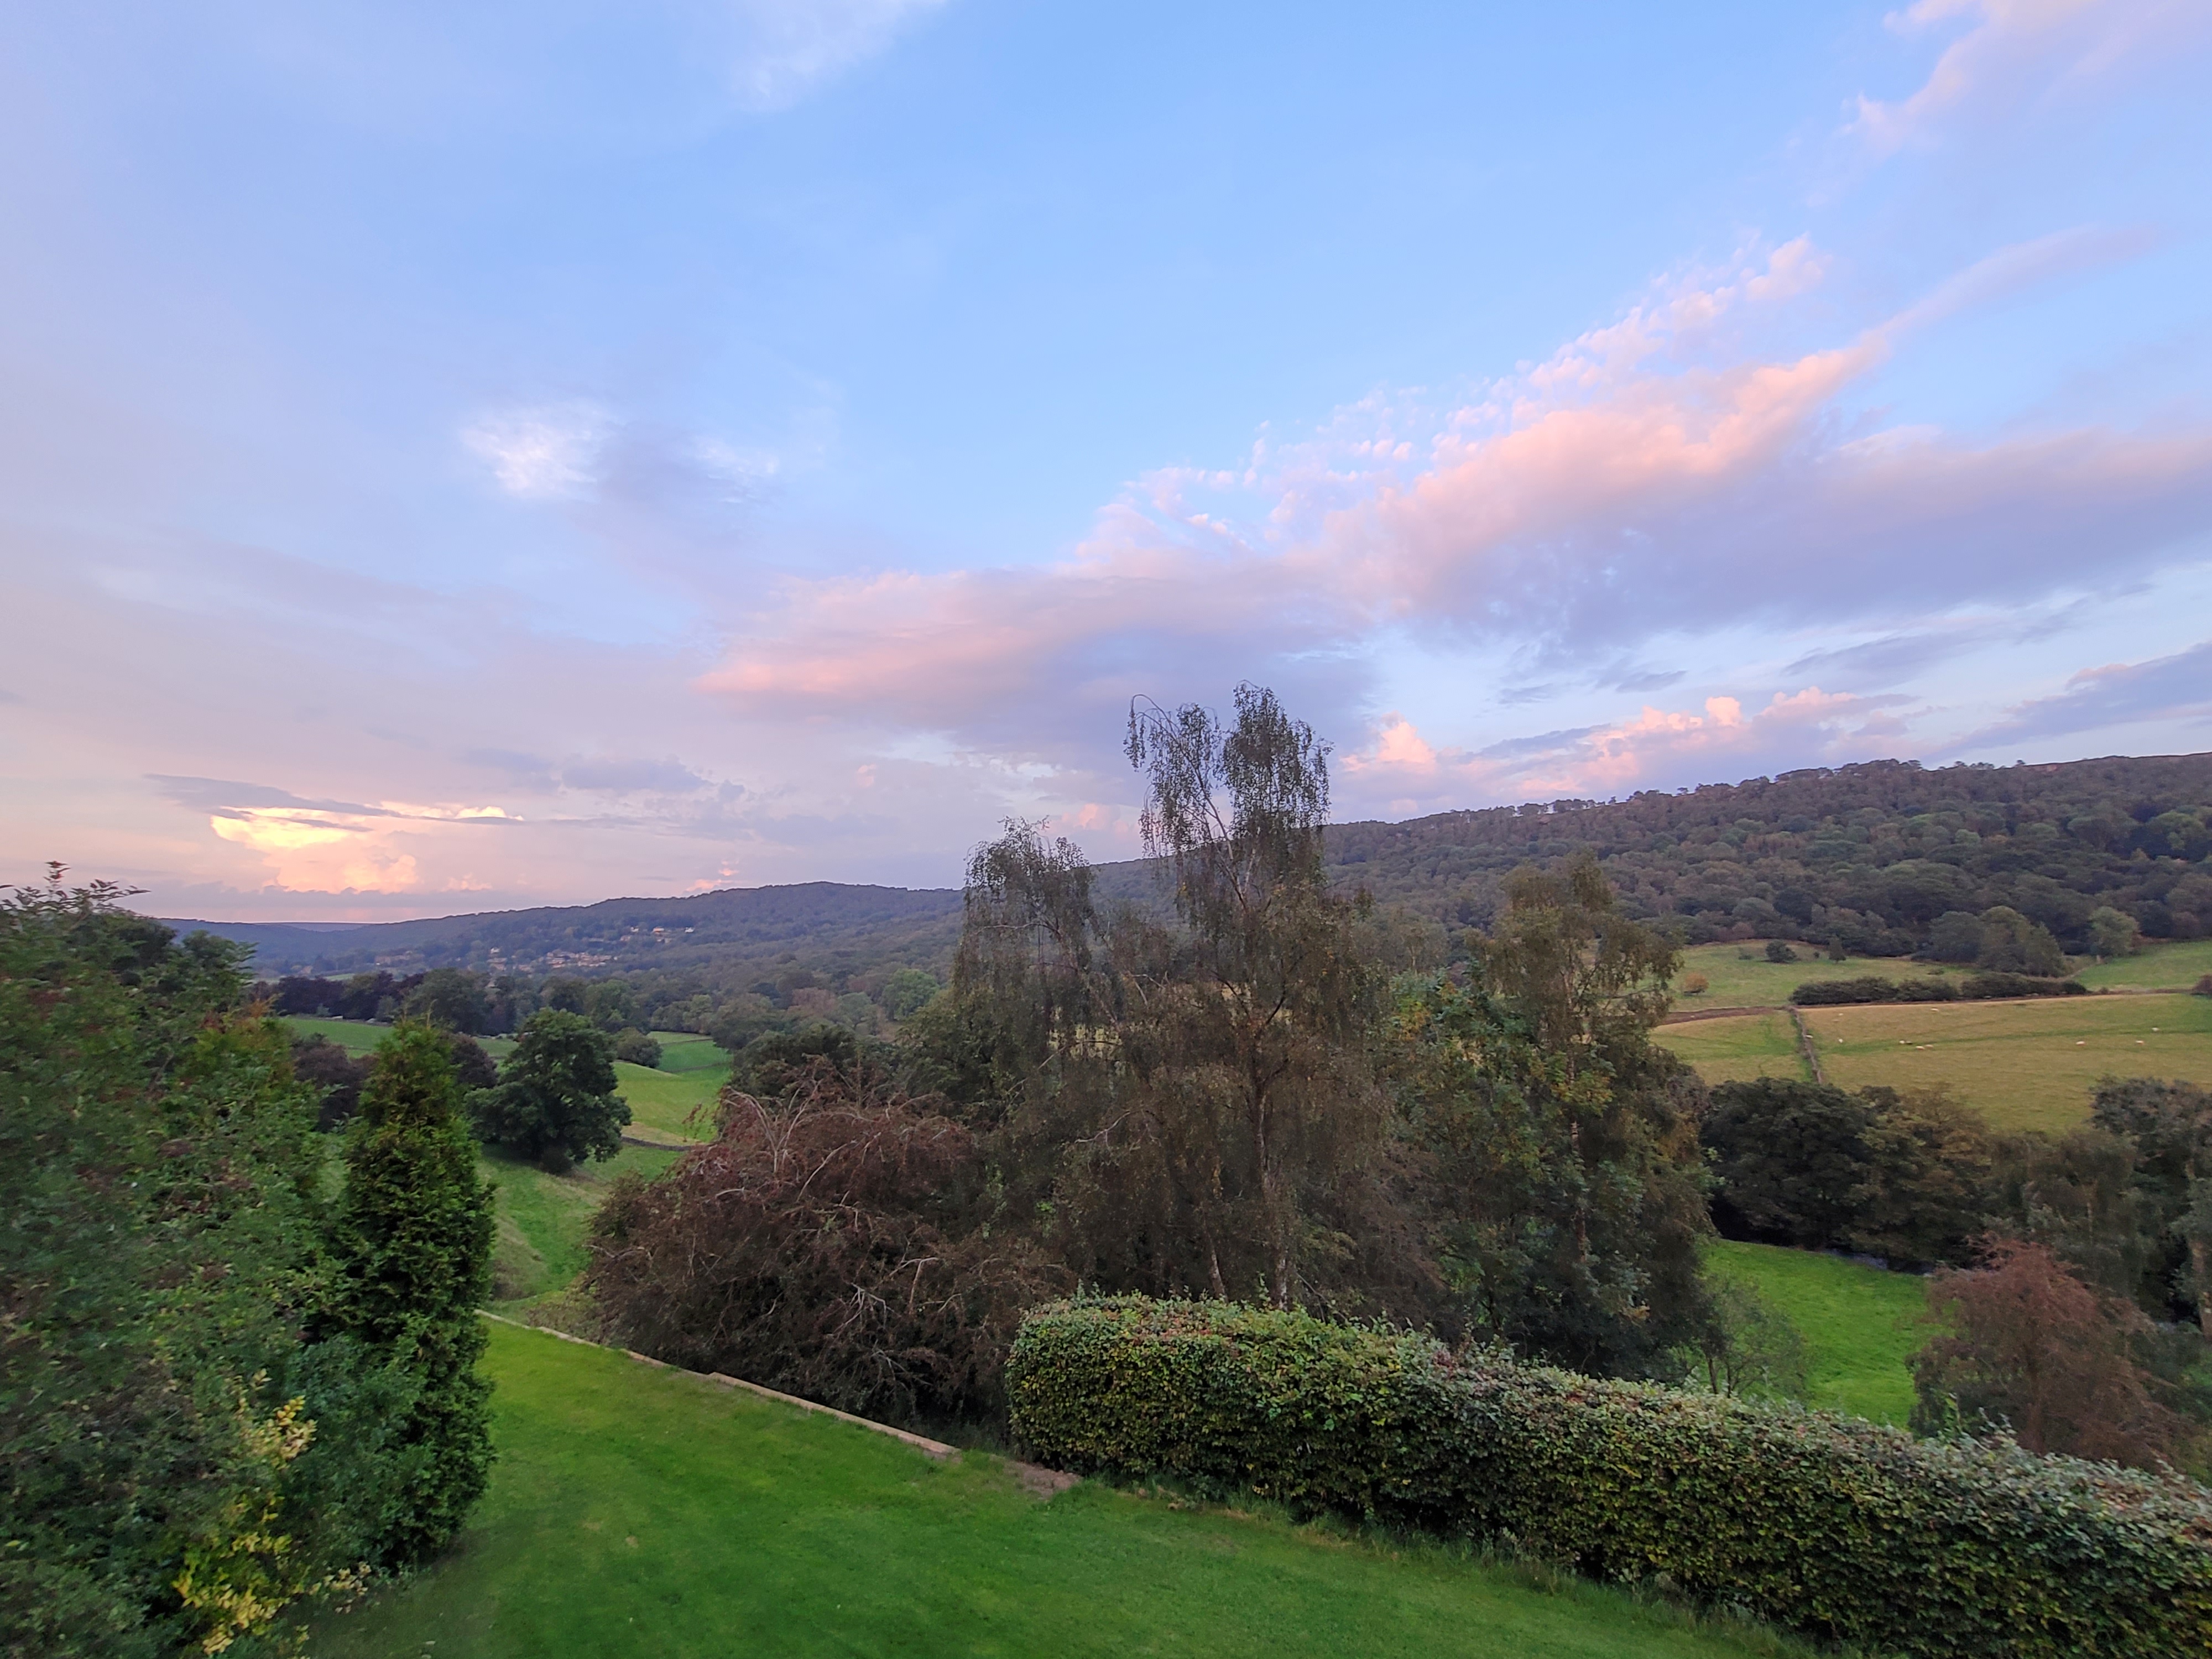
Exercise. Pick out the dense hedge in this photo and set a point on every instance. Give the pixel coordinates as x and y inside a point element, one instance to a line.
<point>1827,1524</point>
<point>1823,993</point>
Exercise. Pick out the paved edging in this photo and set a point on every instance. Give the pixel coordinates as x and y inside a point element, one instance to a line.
<point>936,1449</point>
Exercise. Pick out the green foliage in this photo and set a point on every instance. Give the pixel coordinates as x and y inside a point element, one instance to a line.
<point>1830,1525</point>
<point>907,990</point>
<point>556,1097</point>
<point>636,1048</point>
<point>1872,987</point>
<point>2011,944</point>
<point>1558,1185</point>
<point>2112,932</point>
<point>158,1250</point>
<point>1747,1345</point>
<point>1791,1158</point>
<point>1780,951</point>
<point>413,1243</point>
<point>451,998</point>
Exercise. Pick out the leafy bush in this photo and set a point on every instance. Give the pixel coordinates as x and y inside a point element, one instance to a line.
<point>637,1047</point>
<point>1828,1524</point>
<point>1822,994</point>
<point>834,1244</point>
<point>556,1098</point>
<point>1980,986</point>
<point>1780,950</point>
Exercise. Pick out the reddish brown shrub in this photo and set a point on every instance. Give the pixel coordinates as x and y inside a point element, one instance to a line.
<point>2030,1345</point>
<point>834,1243</point>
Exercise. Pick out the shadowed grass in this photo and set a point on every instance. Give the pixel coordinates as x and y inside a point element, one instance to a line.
<point>543,1218</point>
<point>642,1512</point>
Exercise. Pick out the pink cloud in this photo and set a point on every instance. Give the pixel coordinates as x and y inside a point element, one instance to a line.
<point>2015,51</point>
<point>1659,748</point>
<point>1655,474</point>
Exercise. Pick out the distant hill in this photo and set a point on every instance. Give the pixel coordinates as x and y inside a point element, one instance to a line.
<point>615,935</point>
<point>1870,853</point>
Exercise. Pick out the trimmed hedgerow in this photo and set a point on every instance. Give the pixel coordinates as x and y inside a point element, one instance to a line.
<point>1827,1524</point>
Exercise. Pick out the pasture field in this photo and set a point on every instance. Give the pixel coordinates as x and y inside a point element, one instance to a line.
<point>1740,977</point>
<point>361,1036</point>
<point>1860,1324</point>
<point>2156,967</point>
<point>2021,1065</point>
<point>1736,1047</point>
<point>634,1511</point>
<point>687,1051</point>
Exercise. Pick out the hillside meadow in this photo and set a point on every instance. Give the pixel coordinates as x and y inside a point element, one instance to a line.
<point>636,1511</point>
<point>2021,1065</point>
<point>1860,1324</point>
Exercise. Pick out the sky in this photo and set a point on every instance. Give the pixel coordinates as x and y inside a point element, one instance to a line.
<point>461,456</point>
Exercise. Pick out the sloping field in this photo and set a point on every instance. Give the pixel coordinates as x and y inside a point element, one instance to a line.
<point>1860,1324</point>
<point>642,1512</point>
<point>2021,1065</point>
<point>1735,1049</point>
<point>543,1218</point>
<point>1740,977</point>
<point>2156,966</point>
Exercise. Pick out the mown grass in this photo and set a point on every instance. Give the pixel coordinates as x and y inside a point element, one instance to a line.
<point>662,1103</point>
<point>687,1051</point>
<point>1860,1324</point>
<point>1735,1049</point>
<point>2174,967</point>
<point>2021,1065</point>
<point>642,1512</point>
<point>1740,977</point>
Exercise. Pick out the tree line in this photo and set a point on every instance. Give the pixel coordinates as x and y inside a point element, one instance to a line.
<point>230,1386</point>
<point>1256,1088</point>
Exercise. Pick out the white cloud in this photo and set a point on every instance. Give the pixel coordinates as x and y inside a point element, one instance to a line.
<point>785,48</point>
<point>2014,52</point>
<point>544,454</point>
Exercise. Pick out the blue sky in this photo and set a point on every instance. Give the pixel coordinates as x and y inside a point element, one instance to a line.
<point>464,457</point>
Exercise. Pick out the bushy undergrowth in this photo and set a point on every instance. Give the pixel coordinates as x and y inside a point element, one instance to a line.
<point>1975,988</point>
<point>1827,1524</point>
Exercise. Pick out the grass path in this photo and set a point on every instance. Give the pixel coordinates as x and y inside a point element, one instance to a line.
<point>646,1513</point>
<point>1859,1324</point>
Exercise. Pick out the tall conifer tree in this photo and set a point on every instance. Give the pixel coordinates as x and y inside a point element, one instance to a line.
<point>414,1245</point>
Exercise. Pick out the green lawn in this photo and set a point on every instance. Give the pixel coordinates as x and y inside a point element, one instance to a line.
<point>2156,966</point>
<point>1858,1323</point>
<point>1740,977</point>
<point>642,1512</point>
<point>687,1051</point>
<point>539,1246</point>
<point>661,1102</point>
<point>1735,1049</point>
<point>2021,1065</point>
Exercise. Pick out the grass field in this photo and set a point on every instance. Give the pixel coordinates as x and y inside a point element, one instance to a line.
<point>1740,977</point>
<point>2156,966</point>
<point>642,1512</point>
<point>542,1218</point>
<point>1859,1324</point>
<point>1735,1049</point>
<point>2021,1065</point>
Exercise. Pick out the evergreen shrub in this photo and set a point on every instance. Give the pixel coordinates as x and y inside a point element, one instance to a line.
<point>1828,1524</point>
